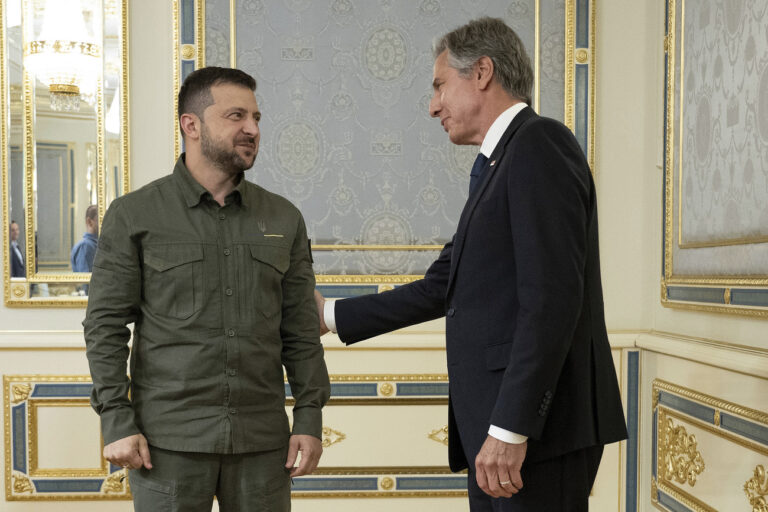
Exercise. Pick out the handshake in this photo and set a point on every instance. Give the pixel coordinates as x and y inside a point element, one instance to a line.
<point>320,301</point>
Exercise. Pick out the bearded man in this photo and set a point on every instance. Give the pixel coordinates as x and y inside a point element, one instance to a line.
<point>215,274</point>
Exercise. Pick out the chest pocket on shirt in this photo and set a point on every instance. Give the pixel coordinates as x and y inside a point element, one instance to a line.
<point>264,277</point>
<point>173,279</point>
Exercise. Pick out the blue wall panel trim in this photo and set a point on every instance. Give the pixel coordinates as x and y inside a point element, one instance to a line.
<point>655,441</point>
<point>335,484</point>
<point>19,439</point>
<point>84,485</point>
<point>187,67</point>
<point>694,294</point>
<point>581,108</point>
<point>62,390</point>
<point>748,429</point>
<point>347,389</point>
<point>344,291</point>
<point>188,21</point>
<point>582,23</point>
<point>749,297</point>
<point>633,398</point>
<point>422,389</point>
<point>691,408</point>
<point>432,483</point>
<point>671,503</point>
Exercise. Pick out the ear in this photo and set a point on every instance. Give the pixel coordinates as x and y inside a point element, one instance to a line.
<point>190,125</point>
<point>483,72</point>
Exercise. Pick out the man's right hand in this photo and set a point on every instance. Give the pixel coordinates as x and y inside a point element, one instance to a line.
<point>320,301</point>
<point>130,452</point>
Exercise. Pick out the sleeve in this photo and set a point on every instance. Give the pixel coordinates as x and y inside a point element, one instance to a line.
<point>364,317</point>
<point>113,303</point>
<point>302,353</point>
<point>549,198</point>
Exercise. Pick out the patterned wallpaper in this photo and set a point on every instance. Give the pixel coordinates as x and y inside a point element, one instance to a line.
<point>720,211</point>
<point>344,88</point>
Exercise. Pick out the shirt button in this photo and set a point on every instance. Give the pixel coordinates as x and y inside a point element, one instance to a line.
<point>231,333</point>
<point>228,291</point>
<point>233,411</point>
<point>231,372</point>
<point>222,216</point>
<point>227,252</point>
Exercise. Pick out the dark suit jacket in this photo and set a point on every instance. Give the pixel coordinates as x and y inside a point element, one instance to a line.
<point>520,287</point>
<point>17,264</point>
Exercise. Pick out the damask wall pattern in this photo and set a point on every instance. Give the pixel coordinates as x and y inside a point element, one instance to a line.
<point>716,164</point>
<point>344,88</point>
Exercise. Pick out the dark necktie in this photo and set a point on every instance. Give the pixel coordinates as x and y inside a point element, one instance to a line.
<point>477,172</point>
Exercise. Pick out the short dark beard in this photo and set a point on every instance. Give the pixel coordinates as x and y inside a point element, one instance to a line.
<point>228,161</point>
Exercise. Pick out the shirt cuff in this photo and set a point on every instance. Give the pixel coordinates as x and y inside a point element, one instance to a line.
<point>329,315</point>
<point>506,435</point>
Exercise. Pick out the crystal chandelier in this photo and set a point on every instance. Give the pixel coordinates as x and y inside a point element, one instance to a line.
<point>64,56</point>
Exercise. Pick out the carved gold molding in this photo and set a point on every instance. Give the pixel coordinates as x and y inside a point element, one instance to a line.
<point>331,437</point>
<point>679,458</point>
<point>745,412</point>
<point>115,483</point>
<point>20,392</point>
<point>386,483</point>
<point>439,435</point>
<point>756,489</point>
<point>22,484</point>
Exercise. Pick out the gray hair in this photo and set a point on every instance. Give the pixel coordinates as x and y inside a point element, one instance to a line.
<point>492,38</point>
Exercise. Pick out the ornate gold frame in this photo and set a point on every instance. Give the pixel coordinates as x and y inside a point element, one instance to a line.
<point>669,278</point>
<point>719,406</point>
<point>17,292</point>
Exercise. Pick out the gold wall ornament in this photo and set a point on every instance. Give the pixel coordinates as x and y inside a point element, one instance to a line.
<point>756,489</point>
<point>188,51</point>
<point>386,389</point>
<point>582,56</point>
<point>679,458</point>
<point>656,396</point>
<point>439,435</point>
<point>19,291</point>
<point>717,418</point>
<point>331,437</point>
<point>22,484</point>
<point>654,490</point>
<point>20,392</point>
<point>115,483</point>
<point>387,483</point>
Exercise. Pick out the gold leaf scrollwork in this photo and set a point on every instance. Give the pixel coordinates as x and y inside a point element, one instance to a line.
<point>756,489</point>
<point>678,454</point>
<point>440,435</point>
<point>20,392</point>
<point>22,484</point>
<point>115,483</point>
<point>331,437</point>
<point>387,483</point>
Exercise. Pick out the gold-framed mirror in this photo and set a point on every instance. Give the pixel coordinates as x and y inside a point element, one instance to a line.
<point>64,138</point>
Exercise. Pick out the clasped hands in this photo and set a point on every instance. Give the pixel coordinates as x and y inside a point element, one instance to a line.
<point>132,452</point>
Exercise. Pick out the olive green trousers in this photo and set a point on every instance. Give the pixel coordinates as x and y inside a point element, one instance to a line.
<point>187,482</point>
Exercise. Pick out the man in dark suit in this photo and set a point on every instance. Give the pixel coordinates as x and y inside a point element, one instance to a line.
<point>16,255</point>
<point>533,389</point>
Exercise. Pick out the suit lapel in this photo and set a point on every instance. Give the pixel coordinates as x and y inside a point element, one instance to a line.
<point>488,173</point>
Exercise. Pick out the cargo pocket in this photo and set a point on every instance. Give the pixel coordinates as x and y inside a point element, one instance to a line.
<point>173,279</point>
<point>266,268</point>
<point>150,494</point>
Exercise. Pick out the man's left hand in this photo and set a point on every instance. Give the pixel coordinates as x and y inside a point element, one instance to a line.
<point>497,467</point>
<point>310,447</point>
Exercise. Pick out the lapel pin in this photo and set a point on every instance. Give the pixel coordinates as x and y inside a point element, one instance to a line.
<point>493,163</point>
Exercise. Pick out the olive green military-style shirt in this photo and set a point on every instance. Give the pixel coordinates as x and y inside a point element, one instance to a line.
<point>221,298</point>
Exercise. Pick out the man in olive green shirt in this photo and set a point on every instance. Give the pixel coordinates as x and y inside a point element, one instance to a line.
<point>216,275</point>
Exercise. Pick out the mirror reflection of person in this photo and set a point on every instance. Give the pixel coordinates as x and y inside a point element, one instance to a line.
<point>17,254</point>
<point>216,275</point>
<point>84,251</point>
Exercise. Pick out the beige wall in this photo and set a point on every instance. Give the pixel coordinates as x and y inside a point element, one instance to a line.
<point>629,153</point>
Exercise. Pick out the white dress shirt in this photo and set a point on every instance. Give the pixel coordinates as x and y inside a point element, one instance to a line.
<point>490,141</point>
